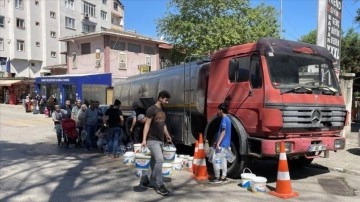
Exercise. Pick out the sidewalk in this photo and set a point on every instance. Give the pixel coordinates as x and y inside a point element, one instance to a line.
<point>347,160</point>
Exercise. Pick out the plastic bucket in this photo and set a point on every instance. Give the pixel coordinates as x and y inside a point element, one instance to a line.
<point>137,148</point>
<point>246,178</point>
<point>190,162</point>
<point>169,152</point>
<point>142,162</point>
<point>177,164</point>
<point>258,184</point>
<point>129,158</point>
<point>184,159</point>
<point>167,169</point>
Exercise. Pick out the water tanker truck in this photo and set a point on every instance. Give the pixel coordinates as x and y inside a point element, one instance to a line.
<point>276,90</point>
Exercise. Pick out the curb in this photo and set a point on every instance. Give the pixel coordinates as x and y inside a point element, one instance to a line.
<point>335,169</point>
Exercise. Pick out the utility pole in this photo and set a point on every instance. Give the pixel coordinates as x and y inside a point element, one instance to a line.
<point>281,29</point>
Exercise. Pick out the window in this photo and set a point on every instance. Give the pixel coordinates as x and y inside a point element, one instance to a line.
<point>239,69</point>
<point>2,3</point>
<point>85,48</point>
<point>37,23</point>
<point>117,45</point>
<point>88,28</point>
<point>2,20</point>
<point>116,5</point>
<point>37,44</point>
<point>52,34</point>
<point>70,23</point>
<point>52,14</point>
<point>19,4</point>
<point>20,45</point>
<point>20,23</point>
<point>103,15</point>
<point>53,54</point>
<point>104,1</point>
<point>136,48</point>
<point>122,60</point>
<point>69,4</point>
<point>255,72</point>
<point>149,50</point>
<point>89,9</point>
<point>103,28</point>
<point>1,44</point>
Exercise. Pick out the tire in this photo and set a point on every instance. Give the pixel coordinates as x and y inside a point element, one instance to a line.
<point>235,169</point>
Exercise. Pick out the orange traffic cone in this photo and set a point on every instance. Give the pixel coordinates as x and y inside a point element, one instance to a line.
<point>193,167</point>
<point>283,184</point>
<point>201,170</point>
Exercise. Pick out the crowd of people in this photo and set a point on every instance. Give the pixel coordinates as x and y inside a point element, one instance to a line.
<point>106,131</point>
<point>109,132</point>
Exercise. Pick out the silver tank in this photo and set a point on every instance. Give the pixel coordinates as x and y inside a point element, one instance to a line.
<point>186,84</point>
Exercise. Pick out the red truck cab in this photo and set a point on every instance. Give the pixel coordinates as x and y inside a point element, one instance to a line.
<point>277,90</point>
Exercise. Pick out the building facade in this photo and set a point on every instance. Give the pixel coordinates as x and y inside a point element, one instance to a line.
<point>120,53</point>
<point>30,29</point>
<point>30,32</point>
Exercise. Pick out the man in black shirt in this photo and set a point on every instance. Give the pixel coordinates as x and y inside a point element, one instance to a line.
<point>115,119</point>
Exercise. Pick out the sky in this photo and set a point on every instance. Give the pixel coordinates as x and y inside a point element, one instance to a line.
<point>299,17</point>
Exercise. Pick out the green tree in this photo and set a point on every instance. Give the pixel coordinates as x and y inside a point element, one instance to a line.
<point>309,38</point>
<point>202,27</point>
<point>350,49</point>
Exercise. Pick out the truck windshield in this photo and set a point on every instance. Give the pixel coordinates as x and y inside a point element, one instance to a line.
<point>290,72</point>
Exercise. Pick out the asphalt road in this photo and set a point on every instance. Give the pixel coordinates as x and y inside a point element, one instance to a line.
<point>34,168</point>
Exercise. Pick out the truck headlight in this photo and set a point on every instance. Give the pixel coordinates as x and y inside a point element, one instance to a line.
<point>339,144</point>
<point>287,147</point>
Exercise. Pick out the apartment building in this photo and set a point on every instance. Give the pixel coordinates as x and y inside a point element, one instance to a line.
<point>30,32</point>
<point>30,29</point>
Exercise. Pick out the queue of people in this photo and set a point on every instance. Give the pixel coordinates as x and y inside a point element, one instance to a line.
<point>103,131</point>
<point>109,132</point>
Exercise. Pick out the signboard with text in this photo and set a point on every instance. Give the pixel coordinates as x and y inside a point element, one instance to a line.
<point>329,28</point>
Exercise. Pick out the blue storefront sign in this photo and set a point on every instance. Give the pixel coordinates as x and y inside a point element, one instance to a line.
<point>84,87</point>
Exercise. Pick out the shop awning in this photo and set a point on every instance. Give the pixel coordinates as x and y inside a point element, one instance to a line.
<point>8,82</point>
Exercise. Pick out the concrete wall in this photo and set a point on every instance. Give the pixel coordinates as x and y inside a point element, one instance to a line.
<point>346,85</point>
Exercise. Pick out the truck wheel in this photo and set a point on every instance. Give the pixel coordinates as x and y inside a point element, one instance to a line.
<point>235,168</point>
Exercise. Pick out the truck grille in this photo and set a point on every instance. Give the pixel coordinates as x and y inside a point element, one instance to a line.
<point>312,116</point>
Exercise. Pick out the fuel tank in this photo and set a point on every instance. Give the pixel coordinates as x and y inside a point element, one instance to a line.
<point>186,83</point>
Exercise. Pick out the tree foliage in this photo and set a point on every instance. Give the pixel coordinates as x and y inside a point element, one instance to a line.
<point>350,49</point>
<point>202,27</point>
<point>310,37</point>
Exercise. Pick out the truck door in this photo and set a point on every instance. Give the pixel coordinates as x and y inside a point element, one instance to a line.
<point>255,102</point>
